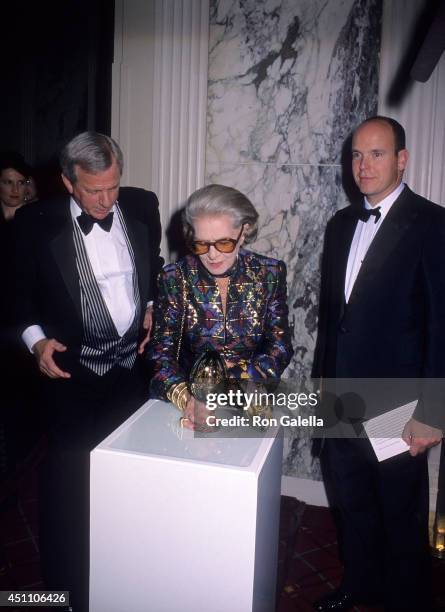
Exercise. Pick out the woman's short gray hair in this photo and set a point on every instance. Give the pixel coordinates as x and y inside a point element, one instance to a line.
<point>221,200</point>
<point>91,151</point>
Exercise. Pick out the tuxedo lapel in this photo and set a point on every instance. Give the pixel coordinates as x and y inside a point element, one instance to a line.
<point>62,248</point>
<point>59,227</point>
<point>399,219</point>
<point>341,253</point>
<point>137,234</point>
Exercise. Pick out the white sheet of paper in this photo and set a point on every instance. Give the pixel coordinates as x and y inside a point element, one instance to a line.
<point>385,431</point>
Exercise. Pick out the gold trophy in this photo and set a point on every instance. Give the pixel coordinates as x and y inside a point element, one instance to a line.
<point>208,375</point>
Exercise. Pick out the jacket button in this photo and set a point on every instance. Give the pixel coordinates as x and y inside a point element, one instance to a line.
<point>343,329</point>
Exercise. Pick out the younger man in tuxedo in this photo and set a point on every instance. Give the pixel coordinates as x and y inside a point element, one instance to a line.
<point>382,315</point>
<point>87,265</point>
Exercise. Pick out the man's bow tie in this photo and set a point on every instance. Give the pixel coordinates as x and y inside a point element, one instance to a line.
<point>365,213</point>
<point>86,222</point>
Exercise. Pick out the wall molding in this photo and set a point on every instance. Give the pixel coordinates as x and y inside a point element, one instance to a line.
<point>159,94</point>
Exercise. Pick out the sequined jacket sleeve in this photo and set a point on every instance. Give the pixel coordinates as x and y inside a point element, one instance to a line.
<point>167,338</point>
<point>275,350</point>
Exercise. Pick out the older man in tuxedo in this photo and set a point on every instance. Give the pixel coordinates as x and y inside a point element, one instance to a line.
<point>382,315</point>
<point>87,265</point>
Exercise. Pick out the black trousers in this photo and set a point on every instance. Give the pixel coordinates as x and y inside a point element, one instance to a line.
<point>81,412</point>
<point>383,521</point>
<point>21,423</point>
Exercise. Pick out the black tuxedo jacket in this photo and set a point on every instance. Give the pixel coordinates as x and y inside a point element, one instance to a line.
<point>48,291</point>
<point>394,323</point>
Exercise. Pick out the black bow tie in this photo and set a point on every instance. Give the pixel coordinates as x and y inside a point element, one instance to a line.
<point>365,213</point>
<point>86,222</point>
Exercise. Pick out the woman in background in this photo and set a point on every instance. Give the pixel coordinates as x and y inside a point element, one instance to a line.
<point>14,175</point>
<point>20,426</point>
<point>14,178</point>
<point>220,297</point>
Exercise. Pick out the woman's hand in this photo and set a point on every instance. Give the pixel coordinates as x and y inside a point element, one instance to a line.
<point>195,415</point>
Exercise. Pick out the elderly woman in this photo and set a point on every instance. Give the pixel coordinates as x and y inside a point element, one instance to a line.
<point>220,297</point>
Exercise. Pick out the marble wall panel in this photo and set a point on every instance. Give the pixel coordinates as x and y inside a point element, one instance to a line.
<point>288,81</point>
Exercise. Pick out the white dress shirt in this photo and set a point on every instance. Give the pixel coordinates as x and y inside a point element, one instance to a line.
<point>364,235</point>
<point>113,270</point>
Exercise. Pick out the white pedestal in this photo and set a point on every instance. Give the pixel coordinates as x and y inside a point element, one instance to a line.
<point>183,525</point>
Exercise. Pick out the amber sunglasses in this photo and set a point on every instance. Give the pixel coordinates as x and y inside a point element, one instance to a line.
<point>224,245</point>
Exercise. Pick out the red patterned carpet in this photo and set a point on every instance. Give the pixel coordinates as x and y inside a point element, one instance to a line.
<point>308,556</point>
<point>311,567</point>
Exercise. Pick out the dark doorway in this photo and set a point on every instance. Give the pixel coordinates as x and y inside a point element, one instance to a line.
<point>56,77</point>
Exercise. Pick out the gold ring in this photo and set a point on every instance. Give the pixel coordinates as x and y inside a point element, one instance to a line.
<point>182,419</point>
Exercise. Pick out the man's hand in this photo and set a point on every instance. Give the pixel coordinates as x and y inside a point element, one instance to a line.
<point>420,436</point>
<point>147,325</point>
<point>44,350</point>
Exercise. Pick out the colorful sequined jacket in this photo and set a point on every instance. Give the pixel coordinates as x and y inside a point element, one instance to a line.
<point>252,335</point>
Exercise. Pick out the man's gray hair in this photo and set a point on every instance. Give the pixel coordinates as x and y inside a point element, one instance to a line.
<point>92,152</point>
<point>221,200</point>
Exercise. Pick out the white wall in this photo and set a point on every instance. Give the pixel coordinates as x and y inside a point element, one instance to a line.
<point>159,97</point>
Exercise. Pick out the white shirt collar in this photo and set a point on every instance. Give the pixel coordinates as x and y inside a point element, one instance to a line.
<point>387,202</point>
<point>76,209</point>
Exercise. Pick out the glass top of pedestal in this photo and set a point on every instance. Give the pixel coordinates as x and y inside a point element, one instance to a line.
<point>155,430</point>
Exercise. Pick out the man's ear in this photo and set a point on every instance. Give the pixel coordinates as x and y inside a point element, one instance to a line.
<point>68,184</point>
<point>402,159</point>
